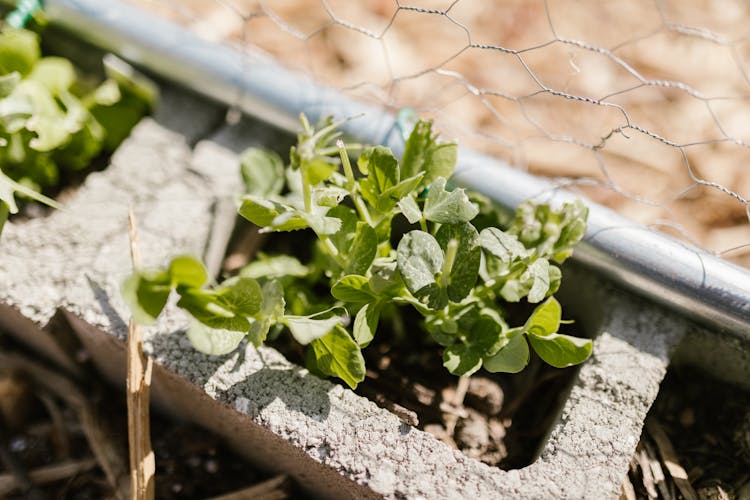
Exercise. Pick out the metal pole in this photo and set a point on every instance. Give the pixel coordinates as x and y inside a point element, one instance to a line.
<point>689,280</point>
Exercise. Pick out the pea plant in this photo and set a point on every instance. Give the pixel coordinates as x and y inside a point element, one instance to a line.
<point>391,236</point>
<point>52,121</point>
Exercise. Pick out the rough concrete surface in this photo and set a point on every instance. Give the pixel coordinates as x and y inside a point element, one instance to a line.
<point>77,258</point>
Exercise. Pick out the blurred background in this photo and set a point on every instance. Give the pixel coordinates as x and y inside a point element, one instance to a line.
<point>642,105</point>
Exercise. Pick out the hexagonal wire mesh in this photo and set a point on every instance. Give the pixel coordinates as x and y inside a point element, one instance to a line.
<point>640,105</point>
<point>623,164</point>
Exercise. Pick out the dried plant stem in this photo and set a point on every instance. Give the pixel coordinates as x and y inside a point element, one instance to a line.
<point>142,461</point>
<point>457,404</point>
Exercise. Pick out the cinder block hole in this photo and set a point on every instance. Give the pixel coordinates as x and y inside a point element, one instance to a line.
<point>505,419</point>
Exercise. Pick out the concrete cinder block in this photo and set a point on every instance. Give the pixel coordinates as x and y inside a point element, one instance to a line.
<point>333,441</point>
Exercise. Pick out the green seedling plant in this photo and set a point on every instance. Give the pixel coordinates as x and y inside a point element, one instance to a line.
<point>53,121</point>
<point>389,236</point>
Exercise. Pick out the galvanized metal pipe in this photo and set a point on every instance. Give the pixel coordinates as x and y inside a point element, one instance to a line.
<point>691,281</point>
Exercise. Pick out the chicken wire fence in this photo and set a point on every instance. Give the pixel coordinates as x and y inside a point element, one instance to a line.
<point>641,105</point>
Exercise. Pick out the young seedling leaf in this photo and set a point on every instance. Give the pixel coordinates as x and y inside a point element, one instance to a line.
<point>424,153</point>
<point>55,73</point>
<point>260,211</point>
<point>382,174</point>
<point>511,358</point>
<point>185,270</point>
<point>462,360</point>
<point>262,172</point>
<point>305,329</point>
<point>539,272</point>
<point>337,355</point>
<point>271,312</point>
<point>363,249</point>
<point>465,269</point>
<point>145,297</point>
<point>205,306</point>
<point>561,351</point>
<point>448,207</point>
<point>366,323</point>
<point>213,341</point>
<point>276,266</point>
<point>242,296</point>
<point>410,209</point>
<point>385,277</point>
<point>19,50</point>
<point>352,288</point>
<point>545,319</point>
<point>502,245</point>
<point>419,259</point>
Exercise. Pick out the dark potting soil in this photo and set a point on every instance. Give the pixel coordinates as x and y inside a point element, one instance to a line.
<point>503,419</point>
<point>696,443</point>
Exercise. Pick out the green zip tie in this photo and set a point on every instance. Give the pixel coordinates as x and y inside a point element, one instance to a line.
<point>25,10</point>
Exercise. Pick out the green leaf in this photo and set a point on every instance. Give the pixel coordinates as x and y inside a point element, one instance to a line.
<point>242,296</point>
<point>262,172</point>
<point>511,358</point>
<point>306,329</point>
<point>502,245</point>
<point>187,271</point>
<point>448,207</point>
<point>146,297</point>
<point>539,272</point>
<point>8,83</point>
<point>19,51</point>
<point>261,211</point>
<point>271,312</point>
<point>545,319</point>
<point>213,341</point>
<point>419,260</point>
<point>461,360</point>
<point>561,351</point>
<point>366,323</point>
<point>382,174</point>
<point>106,94</point>
<point>463,275</point>
<point>337,355</point>
<point>349,220</point>
<point>352,288</point>
<point>361,253</point>
<point>403,188</point>
<point>410,209</point>
<point>317,170</point>
<point>424,153</point>
<point>276,266</point>
<point>385,277</point>
<point>329,196</point>
<point>319,223</point>
<point>55,73</point>
<point>205,306</point>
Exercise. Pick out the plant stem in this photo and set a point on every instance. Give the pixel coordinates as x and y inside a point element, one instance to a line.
<point>351,184</point>
<point>306,191</point>
<point>4,211</point>
<point>450,258</point>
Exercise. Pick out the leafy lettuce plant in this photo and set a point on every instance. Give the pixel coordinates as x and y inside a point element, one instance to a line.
<point>52,121</point>
<point>392,235</point>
